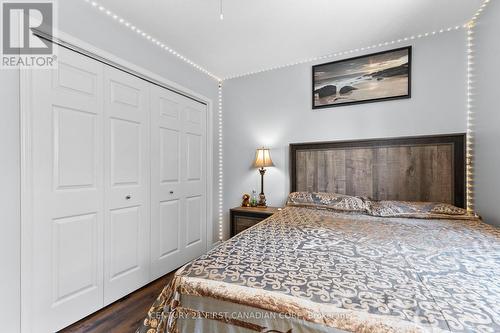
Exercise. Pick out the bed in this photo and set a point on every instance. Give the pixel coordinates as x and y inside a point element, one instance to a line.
<point>349,253</point>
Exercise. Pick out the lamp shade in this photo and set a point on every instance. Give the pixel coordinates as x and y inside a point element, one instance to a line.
<point>262,158</point>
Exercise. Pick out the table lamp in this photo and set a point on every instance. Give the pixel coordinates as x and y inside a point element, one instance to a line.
<point>262,160</point>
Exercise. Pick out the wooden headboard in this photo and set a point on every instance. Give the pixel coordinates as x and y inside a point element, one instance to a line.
<point>424,168</point>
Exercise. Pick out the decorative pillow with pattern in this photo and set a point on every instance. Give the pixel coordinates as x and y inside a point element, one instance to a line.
<point>429,210</point>
<point>332,201</point>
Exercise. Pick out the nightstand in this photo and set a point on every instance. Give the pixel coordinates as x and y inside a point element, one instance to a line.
<point>244,217</point>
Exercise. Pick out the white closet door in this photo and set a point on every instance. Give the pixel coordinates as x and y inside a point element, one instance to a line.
<point>68,192</point>
<point>178,180</point>
<point>194,177</point>
<point>127,183</point>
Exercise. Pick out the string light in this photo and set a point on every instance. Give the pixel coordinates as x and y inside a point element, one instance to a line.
<point>470,122</point>
<point>470,145</point>
<point>148,37</point>
<point>478,13</point>
<point>221,165</point>
<point>347,52</point>
<point>312,59</point>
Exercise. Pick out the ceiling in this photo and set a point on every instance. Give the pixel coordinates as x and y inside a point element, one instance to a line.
<point>260,34</point>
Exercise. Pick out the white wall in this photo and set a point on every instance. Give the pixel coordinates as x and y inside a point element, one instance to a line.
<point>81,21</point>
<point>487,113</point>
<point>274,109</point>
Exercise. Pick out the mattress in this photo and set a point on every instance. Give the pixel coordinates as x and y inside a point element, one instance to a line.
<point>316,270</point>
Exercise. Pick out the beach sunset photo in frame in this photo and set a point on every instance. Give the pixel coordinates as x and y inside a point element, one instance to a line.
<point>369,78</point>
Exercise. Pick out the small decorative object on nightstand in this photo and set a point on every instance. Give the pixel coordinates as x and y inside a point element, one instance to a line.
<point>253,199</point>
<point>262,160</point>
<point>244,217</point>
<point>246,200</point>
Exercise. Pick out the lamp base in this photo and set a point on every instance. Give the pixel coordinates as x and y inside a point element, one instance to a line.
<point>262,197</point>
<point>262,200</point>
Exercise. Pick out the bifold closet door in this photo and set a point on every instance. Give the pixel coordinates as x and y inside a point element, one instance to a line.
<point>178,180</point>
<point>127,183</point>
<point>67,220</point>
<point>108,215</point>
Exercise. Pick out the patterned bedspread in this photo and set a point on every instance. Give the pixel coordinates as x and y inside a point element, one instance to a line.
<point>311,270</point>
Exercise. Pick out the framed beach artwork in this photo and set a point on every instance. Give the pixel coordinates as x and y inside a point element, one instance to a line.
<point>369,78</point>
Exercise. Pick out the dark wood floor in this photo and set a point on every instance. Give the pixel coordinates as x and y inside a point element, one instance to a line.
<point>124,315</point>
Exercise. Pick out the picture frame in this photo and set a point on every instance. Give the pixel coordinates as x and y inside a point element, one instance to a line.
<point>369,78</point>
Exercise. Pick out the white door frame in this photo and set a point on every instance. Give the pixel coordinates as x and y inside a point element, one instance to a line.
<point>26,157</point>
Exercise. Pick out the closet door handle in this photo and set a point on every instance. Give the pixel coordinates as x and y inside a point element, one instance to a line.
<point>171,192</point>
<point>128,197</point>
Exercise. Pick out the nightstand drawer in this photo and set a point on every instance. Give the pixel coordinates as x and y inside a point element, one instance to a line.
<point>244,222</point>
<point>244,217</point>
